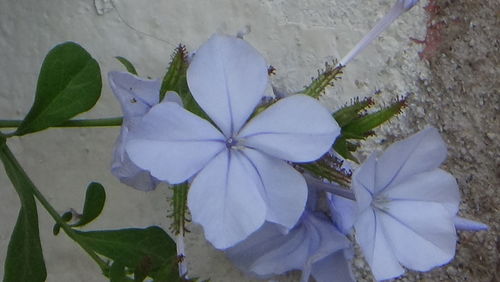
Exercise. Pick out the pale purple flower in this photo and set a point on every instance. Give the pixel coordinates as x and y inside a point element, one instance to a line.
<point>399,8</point>
<point>406,207</point>
<point>240,177</point>
<point>136,96</point>
<point>315,246</point>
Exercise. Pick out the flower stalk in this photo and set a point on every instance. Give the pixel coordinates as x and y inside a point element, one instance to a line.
<point>114,121</point>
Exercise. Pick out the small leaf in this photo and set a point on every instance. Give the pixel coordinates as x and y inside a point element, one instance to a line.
<point>94,203</point>
<point>324,79</point>
<point>349,113</point>
<point>145,251</point>
<point>24,261</point>
<point>127,64</point>
<point>67,216</point>
<point>176,80</point>
<point>364,125</point>
<point>343,147</point>
<point>69,84</point>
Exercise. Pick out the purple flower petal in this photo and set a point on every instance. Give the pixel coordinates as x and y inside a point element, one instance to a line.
<point>227,78</point>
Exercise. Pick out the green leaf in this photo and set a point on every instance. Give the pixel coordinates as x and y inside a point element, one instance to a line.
<point>176,80</point>
<point>24,261</point>
<point>69,84</point>
<point>117,273</point>
<point>324,79</point>
<point>67,216</point>
<point>127,64</point>
<point>349,113</point>
<point>147,251</point>
<point>94,203</point>
<point>363,126</point>
<point>344,148</point>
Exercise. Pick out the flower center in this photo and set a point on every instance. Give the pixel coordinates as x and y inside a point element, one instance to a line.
<point>380,202</point>
<point>231,142</point>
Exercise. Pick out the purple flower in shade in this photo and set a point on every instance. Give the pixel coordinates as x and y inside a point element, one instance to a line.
<point>314,245</point>
<point>240,177</point>
<point>407,207</point>
<point>136,97</point>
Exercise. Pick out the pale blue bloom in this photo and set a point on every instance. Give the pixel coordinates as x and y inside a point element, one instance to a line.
<point>315,246</point>
<point>407,207</point>
<point>136,96</point>
<point>238,173</point>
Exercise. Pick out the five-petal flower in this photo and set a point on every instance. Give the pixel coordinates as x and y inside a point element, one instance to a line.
<point>240,178</point>
<point>406,207</point>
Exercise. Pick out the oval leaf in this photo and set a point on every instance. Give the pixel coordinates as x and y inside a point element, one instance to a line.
<point>147,251</point>
<point>69,84</point>
<point>94,203</point>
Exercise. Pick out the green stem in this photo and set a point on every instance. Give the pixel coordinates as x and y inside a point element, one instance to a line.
<point>115,121</point>
<point>8,156</point>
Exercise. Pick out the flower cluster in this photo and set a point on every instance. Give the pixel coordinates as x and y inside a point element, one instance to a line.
<point>246,187</point>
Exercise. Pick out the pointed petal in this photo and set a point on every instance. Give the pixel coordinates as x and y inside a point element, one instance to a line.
<point>172,143</point>
<point>418,153</point>
<point>435,186</point>
<point>136,95</point>
<point>283,188</point>
<point>371,236</point>
<point>422,234</point>
<point>469,224</point>
<point>227,78</point>
<point>225,200</point>
<point>297,128</point>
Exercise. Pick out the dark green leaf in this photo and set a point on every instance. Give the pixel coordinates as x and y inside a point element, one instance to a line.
<point>349,113</point>
<point>117,273</point>
<point>69,84</point>
<point>127,64</point>
<point>343,147</point>
<point>176,80</point>
<point>364,125</point>
<point>24,261</point>
<point>67,216</point>
<point>94,203</point>
<point>146,251</point>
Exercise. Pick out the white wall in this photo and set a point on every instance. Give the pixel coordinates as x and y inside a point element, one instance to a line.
<point>296,37</point>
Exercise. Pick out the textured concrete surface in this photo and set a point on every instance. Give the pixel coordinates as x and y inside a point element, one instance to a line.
<point>296,37</point>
